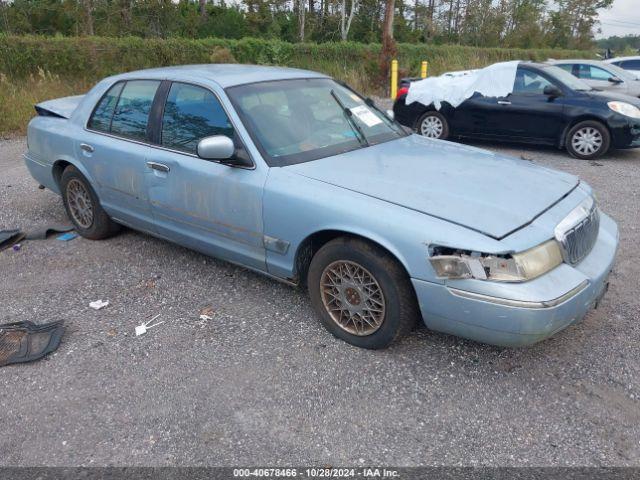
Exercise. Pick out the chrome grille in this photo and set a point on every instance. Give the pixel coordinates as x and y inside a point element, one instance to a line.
<point>578,241</point>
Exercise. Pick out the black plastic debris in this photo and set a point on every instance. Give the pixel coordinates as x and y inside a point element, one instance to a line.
<point>10,237</point>
<point>42,232</point>
<point>26,341</point>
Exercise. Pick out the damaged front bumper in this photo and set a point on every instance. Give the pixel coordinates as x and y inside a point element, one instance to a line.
<point>520,314</point>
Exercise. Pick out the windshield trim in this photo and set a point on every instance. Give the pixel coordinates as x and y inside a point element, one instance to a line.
<point>317,154</point>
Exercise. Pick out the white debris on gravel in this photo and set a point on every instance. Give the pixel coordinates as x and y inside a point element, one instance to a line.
<point>99,304</point>
<point>493,81</point>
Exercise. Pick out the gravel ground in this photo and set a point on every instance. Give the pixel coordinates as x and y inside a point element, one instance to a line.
<point>264,383</point>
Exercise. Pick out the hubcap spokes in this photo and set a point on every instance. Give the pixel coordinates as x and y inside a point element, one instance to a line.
<point>352,297</point>
<point>80,204</point>
<point>432,127</point>
<point>587,141</point>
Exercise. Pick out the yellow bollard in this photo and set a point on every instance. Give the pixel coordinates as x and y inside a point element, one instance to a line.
<point>394,79</point>
<point>423,69</point>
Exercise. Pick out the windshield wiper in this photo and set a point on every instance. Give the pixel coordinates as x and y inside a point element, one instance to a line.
<point>349,116</point>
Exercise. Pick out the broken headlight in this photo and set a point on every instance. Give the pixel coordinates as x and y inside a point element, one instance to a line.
<point>517,267</point>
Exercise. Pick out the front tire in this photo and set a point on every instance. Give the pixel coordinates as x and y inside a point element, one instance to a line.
<point>433,125</point>
<point>361,293</point>
<point>83,207</point>
<point>588,140</point>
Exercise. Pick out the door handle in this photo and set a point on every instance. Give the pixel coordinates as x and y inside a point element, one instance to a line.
<point>86,147</point>
<point>161,167</point>
<point>504,102</point>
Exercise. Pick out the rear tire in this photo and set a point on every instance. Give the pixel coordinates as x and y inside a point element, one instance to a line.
<point>361,293</point>
<point>588,140</point>
<point>433,125</point>
<point>83,207</point>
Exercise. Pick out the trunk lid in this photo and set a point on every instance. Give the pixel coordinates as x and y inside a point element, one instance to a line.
<point>59,107</point>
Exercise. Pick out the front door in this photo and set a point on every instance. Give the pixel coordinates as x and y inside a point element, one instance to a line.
<point>528,114</point>
<point>201,204</point>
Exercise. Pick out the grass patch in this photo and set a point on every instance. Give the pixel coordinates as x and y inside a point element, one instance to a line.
<point>18,96</point>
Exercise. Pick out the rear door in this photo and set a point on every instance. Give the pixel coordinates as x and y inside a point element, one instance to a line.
<point>203,204</point>
<point>114,150</point>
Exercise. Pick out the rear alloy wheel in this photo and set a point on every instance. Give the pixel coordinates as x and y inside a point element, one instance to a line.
<point>361,293</point>
<point>433,125</point>
<point>83,206</point>
<point>588,140</point>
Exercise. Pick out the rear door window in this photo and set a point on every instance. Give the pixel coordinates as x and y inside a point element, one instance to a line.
<point>190,114</point>
<point>132,111</point>
<point>101,118</point>
<point>631,64</point>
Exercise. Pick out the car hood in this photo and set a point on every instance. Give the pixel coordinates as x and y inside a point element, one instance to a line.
<point>480,190</point>
<point>608,96</point>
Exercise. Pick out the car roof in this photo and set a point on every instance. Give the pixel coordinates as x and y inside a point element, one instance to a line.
<point>618,59</point>
<point>225,75</point>
<point>574,60</point>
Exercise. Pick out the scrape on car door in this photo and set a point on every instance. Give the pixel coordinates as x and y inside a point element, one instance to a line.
<point>201,204</point>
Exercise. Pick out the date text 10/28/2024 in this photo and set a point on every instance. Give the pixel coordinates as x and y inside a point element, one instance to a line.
<point>315,472</point>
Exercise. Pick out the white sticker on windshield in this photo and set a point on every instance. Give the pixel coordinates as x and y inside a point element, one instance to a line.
<point>365,115</point>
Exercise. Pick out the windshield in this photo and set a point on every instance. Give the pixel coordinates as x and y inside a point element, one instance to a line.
<point>293,121</point>
<point>567,78</point>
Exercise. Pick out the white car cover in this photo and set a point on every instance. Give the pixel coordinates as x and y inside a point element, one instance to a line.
<point>493,81</point>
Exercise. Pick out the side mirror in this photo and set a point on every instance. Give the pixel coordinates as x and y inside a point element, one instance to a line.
<point>222,148</point>
<point>552,91</point>
<point>217,147</point>
<point>615,80</point>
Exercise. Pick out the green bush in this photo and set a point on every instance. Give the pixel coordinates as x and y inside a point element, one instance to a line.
<point>97,57</point>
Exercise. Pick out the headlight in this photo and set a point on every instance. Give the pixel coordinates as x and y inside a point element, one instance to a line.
<point>517,267</point>
<point>624,108</point>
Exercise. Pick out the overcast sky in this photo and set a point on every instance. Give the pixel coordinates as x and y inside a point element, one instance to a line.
<point>621,19</point>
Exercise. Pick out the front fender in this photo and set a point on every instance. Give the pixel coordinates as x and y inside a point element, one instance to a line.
<point>297,207</point>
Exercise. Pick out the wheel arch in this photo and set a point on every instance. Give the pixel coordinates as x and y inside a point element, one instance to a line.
<point>313,242</point>
<point>62,163</point>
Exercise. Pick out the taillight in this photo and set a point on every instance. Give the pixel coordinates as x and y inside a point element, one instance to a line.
<point>402,91</point>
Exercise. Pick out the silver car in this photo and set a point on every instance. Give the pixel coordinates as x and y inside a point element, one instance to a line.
<point>629,64</point>
<point>602,76</point>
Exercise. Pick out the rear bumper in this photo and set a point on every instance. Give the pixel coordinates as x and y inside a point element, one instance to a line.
<point>512,322</point>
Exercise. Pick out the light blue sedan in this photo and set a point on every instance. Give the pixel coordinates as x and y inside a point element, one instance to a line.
<point>294,175</point>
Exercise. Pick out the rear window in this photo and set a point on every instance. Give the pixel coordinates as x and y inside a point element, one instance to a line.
<point>101,118</point>
<point>124,109</point>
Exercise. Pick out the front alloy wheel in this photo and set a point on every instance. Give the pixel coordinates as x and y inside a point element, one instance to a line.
<point>361,293</point>
<point>352,297</point>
